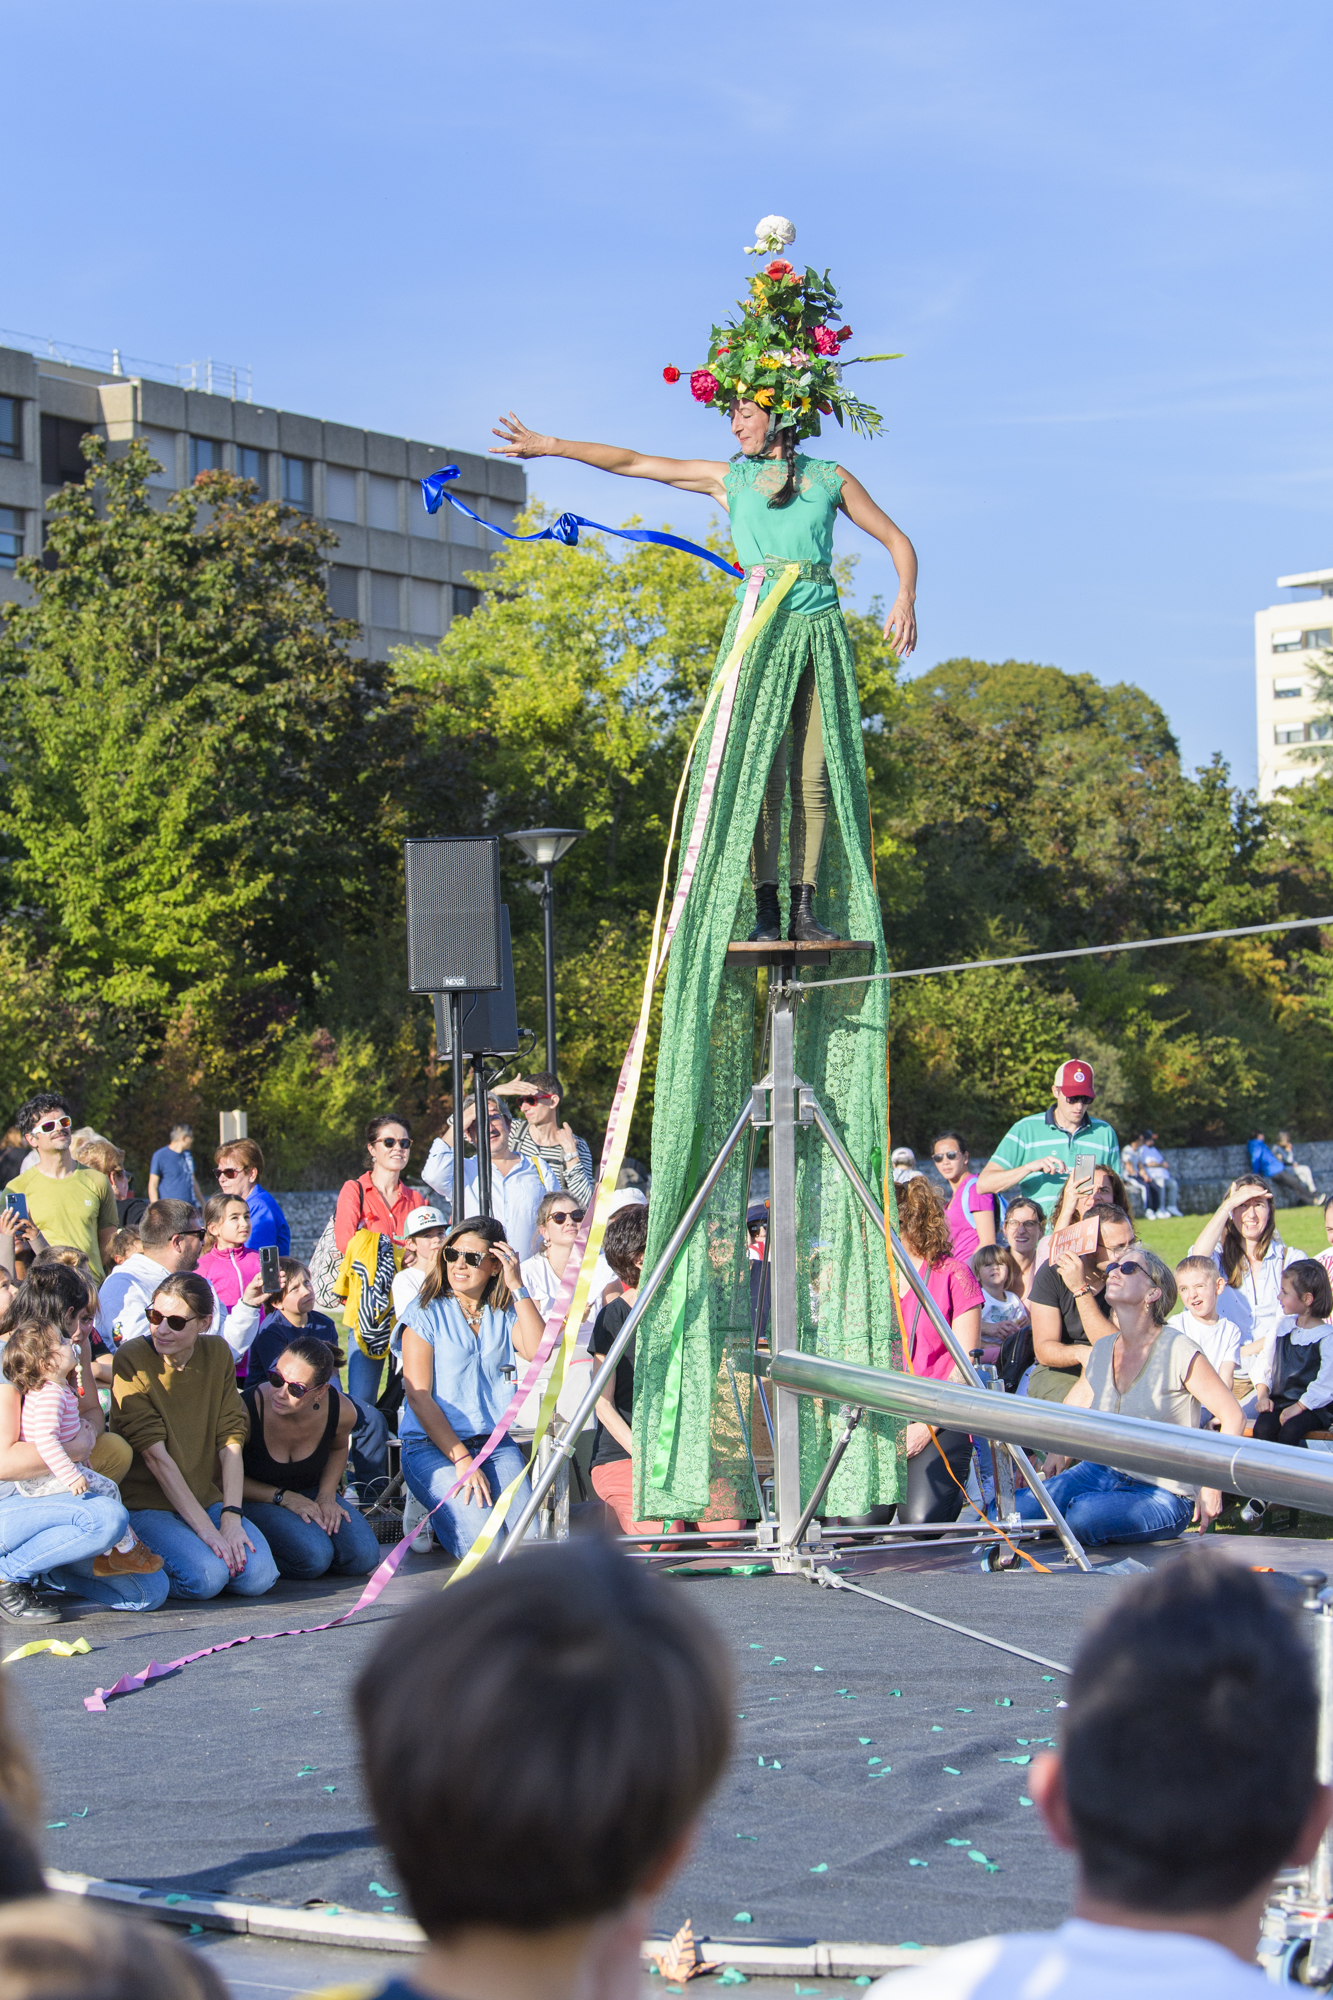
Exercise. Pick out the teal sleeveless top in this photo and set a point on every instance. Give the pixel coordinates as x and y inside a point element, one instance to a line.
<point>800,532</point>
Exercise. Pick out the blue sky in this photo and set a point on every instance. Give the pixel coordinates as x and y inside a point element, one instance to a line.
<point>1098,234</point>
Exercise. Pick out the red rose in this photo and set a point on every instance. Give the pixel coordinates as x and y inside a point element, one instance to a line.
<point>703,386</point>
<point>826,340</point>
<point>824,409</point>
<point>844,333</point>
<point>671,374</point>
<point>779,268</point>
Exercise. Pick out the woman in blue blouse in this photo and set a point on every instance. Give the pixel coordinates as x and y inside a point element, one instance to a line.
<point>472,1319</point>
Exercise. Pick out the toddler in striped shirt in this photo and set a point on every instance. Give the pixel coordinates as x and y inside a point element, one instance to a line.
<point>39,1361</point>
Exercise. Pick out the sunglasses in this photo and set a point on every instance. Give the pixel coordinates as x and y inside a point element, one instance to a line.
<point>541,1097</point>
<point>952,1154</point>
<point>297,1389</point>
<point>53,1125</point>
<point>230,1173</point>
<point>472,1257</point>
<point>567,1215</point>
<point>396,1145</point>
<point>1128,1264</point>
<point>176,1321</point>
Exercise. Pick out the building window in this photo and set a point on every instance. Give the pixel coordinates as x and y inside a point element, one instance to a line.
<point>251,463</point>
<point>11,536</point>
<point>342,591</point>
<point>384,596</point>
<point>465,600</point>
<point>1314,642</point>
<point>383,497</point>
<point>339,494</point>
<point>1290,640</point>
<point>162,447</point>
<point>11,427</point>
<point>1303,732</point>
<point>296,483</point>
<point>425,608</point>
<point>63,462</point>
<point>466,534</point>
<point>1287,690</point>
<point>427,527</point>
<point>205,456</point>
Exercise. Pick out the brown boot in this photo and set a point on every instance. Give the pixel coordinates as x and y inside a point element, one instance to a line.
<point>138,1561</point>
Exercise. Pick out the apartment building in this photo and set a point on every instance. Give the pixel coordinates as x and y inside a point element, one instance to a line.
<point>1288,640</point>
<point>397,570</point>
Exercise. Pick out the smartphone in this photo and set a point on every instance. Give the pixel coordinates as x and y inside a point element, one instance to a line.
<point>18,1202</point>
<point>269,1273</point>
<point>1084,1168</point>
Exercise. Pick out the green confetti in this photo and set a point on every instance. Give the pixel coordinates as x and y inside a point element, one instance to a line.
<point>914,1863</point>
<point>81,1814</point>
<point>1022,1801</point>
<point>1048,1677</point>
<point>863,1979</point>
<point>908,1945</point>
<point>741,1716</point>
<point>755,1646</point>
<point>761,1763</point>
<point>778,1660</point>
<point>874,1760</point>
<point>975,1854</point>
<point>177,1899</point>
<point>950,1772</point>
<point>800,1990</point>
<point>742,1917</point>
<point>816,1670</point>
<point>1024,1740</point>
<point>307,1770</point>
<point>895,1694</point>
<point>255,1711</point>
<point>962,1711</point>
<point>957,1843</point>
<point>775,1766</point>
<point>378,1889</point>
<point>937,1729</point>
<point>733,1976</point>
<point>52,1824</point>
<point>1003,1701</point>
<point>747,1836</point>
<point>330,1788</point>
<point>195,1930</point>
<point>1013,1760</point>
<point>865,1739</point>
<point>317,1711</point>
<point>820,1868</point>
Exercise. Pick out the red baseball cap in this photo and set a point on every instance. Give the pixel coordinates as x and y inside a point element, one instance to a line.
<point>1074,1079</point>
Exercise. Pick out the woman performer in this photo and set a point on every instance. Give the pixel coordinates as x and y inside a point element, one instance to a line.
<point>785,663</point>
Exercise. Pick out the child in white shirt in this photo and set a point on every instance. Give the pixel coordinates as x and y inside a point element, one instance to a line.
<point>1218,1338</point>
<point>1002,1307</point>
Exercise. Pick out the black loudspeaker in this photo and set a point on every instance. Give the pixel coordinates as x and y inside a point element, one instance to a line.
<point>453,915</point>
<point>490,1020</point>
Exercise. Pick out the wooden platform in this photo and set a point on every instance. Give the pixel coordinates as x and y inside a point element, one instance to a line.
<point>787,952</point>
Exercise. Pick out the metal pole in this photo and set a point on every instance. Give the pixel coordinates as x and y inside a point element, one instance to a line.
<point>821,1484</point>
<point>460,1179</point>
<point>482,1111</point>
<point>548,924</point>
<point>606,1373</point>
<point>785,1331</point>
<point>955,1346</point>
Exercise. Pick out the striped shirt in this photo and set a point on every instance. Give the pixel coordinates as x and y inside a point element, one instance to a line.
<point>552,1167</point>
<point>51,1421</point>
<point>1039,1137</point>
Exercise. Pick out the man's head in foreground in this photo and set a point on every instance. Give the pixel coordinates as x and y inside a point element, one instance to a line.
<point>538,1744</point>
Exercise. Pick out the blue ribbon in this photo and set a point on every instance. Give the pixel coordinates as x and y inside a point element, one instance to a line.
<point>566,529</point>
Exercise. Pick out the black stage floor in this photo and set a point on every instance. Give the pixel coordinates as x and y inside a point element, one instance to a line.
<point>877,1793</point>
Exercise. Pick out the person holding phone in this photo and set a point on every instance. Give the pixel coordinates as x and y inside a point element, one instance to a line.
<point>562,1160</point>
<point>289,1310</point>
<point>472,1320</point>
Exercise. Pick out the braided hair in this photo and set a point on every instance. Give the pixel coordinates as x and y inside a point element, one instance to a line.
<point>786,493</point>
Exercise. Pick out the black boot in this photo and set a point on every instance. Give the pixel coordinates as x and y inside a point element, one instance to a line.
<point>804,927</point>
<point>18,1602</point>
<point>768,929</point>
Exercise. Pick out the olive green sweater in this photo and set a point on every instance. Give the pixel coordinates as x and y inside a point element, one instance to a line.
<point>191,1410</point>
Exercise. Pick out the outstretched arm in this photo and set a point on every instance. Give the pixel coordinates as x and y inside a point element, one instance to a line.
<point>691,475</point>
<point>900,625</point>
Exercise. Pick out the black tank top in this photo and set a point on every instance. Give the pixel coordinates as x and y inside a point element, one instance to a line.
<point>298,1475</point>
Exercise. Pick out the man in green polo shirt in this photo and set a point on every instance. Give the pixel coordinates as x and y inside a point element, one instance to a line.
<point>68,1203</point>
<point>1036,1156</point>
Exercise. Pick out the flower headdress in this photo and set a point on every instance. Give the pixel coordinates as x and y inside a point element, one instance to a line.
<point>784,352</point>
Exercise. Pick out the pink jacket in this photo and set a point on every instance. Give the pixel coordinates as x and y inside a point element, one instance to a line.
<point>229,1272</point>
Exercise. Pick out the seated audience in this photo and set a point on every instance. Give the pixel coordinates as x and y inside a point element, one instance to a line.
<point>293,1311</point>
<point>1263,1160</point>
<point>623,1246</point>
<point>471,1319</point>
<point>1138,1187</point>
<point>238,1166</point>
<point>1156,1168</point>
<point>69,1948</point>
<point>1185,1779</point>
<point>174,1400</point>
<point>1065,1303</point>
<point>1024,1227</point>
<point>423,1237</point>
<point>1286,1152</point>
<point>301,1424</point>
<point>1003,1311</point>
<point>1200,1287</point>
<point>516,1185</point>
<point>936,1473</point>
<point>1242,1239</point>
<point>1143,1370</point>
<point>580,1715</point>
<point>1293,1379</point>
<point>970,1216</point>
<point>226,1262</point>
<point>172,1235</point>
<point>125,1243</point>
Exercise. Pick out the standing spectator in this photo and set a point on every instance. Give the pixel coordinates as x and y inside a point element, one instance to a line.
<point>227,1263</point>
<point>935,1476</point>
<point>1263,1160</point>
<point>171,1175</point>
<point>1067,1316</point>
<point>294,1457</point>
<point>1024,1228</point>
<point>238,1166</point>
<point>1157,1169</point>
<point>902,1161</point>
<point>761,1274</point>
<point>1144,1369</point>
<point>1105,1189</point>
<point>174,1400</point>
<point>381,1202</point>
<point>1242,1240</point>
<point>1036,1155</point>
<point>172,1235</point>
<point>562,1160</point>
<point>110,1160</point>
<point>970,1216</point>
<point>67,1203</point>
<point>1286,1152</point>
<point>516,1186</point>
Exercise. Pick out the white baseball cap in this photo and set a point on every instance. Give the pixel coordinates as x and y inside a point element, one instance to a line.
<point>423,1218</point>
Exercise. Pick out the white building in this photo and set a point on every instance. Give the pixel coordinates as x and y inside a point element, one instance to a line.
<point>399,571</point>
<point>1289,639</point>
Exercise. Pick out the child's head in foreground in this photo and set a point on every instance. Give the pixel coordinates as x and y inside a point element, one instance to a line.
<point>1199,1285</point>
<point>1187,1751</point>
<point>539,1740</point>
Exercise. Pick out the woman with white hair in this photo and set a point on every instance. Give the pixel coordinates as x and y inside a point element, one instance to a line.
<point>1149,1370</point>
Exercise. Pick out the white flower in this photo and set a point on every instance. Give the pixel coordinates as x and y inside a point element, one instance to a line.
<point>771,234</point>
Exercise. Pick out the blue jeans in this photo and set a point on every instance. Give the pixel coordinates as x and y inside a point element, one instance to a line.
<point>57,1536</point>
<point>303,1549</point>
<point>1102,1505</point>
<point>190,1566</point>
<point>429,1476</point>
<point>370,1440</point>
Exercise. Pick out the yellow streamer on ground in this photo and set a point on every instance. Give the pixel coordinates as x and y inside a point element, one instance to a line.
<point>623,1112</point>
<point>64,1649</point>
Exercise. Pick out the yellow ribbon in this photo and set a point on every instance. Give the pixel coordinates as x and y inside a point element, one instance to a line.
<point>64,1649</point>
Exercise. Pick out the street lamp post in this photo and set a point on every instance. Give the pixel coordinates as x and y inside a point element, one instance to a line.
<point>544,846</point>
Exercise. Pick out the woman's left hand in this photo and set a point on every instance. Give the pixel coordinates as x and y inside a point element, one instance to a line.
<point>231,1533</point>
<point>1207,1507</point>
<point>1070,1266</point>
<point>508,1258</point>
<point>331,1515</point>
<point>900,626</point>
<point>915,1439</point>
